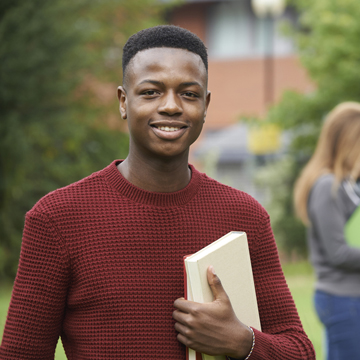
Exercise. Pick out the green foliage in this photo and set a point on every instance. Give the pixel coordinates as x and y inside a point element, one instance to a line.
<point>328,47</point>
<point>331,54</point>
<point>55,58</point>
<point>327,40</point>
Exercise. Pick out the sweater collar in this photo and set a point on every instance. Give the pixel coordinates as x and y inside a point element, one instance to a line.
<point>127,189</point>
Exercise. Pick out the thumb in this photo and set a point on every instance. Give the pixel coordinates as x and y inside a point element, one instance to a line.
<point>215,284</point>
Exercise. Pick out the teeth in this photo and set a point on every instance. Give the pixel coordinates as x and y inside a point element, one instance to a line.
<point>167,128</point>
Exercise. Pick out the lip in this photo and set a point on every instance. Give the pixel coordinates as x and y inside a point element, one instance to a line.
<point>168,132</point>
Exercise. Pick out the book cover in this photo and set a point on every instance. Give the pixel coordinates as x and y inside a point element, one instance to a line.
<point>231,260</point>
<point>352,229</point>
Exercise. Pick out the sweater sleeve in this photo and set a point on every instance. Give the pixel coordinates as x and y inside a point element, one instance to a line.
<point>38,299</point>
<point>327,216</point>
<point>282,335</point>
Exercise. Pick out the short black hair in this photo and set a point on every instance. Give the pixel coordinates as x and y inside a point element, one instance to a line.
<point>163,36</point>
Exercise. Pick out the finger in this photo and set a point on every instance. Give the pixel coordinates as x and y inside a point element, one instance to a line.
<point>183,305</point>
<point>184,340</point>
<point>184,335</point>
<point>180,316</point>
<point>215,284</point>
<point>182,329</point>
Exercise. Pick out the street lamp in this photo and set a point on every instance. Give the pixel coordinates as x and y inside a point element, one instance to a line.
<point>263,8</point>
<point>268,10</point>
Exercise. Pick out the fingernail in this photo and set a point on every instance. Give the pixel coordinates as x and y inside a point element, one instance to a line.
<point>212,269</point>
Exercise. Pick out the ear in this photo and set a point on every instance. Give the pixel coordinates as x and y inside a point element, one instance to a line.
<point>122,101</point>
<point>208,97</point>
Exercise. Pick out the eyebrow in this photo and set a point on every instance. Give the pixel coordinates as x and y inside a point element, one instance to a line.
<point>160,83</point>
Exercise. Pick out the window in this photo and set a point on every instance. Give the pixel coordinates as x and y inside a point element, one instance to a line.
<point>235,32</point>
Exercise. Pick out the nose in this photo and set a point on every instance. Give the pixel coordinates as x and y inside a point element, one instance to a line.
<point>170,104</point>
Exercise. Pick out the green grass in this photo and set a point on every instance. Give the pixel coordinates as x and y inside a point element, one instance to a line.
<point>299,277</point>
<point>5,292</point>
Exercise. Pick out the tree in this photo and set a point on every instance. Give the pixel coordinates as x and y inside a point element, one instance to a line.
<point>328,46</point>
<point>54,129</point>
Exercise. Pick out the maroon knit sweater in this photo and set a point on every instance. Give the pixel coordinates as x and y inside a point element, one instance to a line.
<point>102,263</point>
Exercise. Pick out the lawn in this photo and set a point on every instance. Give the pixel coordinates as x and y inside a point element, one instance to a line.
<point>300,280</point>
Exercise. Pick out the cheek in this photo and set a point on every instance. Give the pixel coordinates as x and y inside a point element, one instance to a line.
<point>138,112</point>
<point>197,127</point>
<point>199,115</point>
<point>194,110</point>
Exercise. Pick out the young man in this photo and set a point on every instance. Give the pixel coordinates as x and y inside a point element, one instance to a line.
<point>101,263</point>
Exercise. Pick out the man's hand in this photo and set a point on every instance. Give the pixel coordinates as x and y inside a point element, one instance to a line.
<point>212,328</point>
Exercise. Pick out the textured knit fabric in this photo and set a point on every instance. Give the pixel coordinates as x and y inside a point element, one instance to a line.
<point>337,265</point>
<point>102,263</point>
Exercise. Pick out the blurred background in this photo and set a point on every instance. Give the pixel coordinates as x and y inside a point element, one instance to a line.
<point>275,69</point>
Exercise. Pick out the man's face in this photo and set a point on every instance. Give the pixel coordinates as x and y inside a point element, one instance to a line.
<point>164,99</point>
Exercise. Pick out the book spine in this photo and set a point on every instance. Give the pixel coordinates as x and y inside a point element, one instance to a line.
<point>190,353</point>
<point>195,282</point>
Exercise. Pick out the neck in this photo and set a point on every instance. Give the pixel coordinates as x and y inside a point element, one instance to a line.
<point>156,175</point>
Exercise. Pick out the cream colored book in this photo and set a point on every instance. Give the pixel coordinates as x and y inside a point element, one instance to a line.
<point>231,260</point>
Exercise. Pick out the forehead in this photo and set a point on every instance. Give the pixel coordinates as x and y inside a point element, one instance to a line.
<point>166,63</point>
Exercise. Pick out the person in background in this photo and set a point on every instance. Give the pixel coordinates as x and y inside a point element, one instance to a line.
<point>326,195</point>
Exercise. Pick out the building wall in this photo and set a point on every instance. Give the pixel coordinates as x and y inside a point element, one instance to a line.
<point>238,86</point>
<point>191,17</point>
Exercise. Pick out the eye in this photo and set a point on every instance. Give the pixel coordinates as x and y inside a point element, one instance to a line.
<point>190,94</point>
<point>150,92</point>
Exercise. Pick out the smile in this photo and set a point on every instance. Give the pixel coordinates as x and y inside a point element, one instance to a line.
<point>168,128</point>
<point>169,131</point>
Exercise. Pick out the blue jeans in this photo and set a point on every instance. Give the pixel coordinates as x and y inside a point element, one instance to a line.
<point>341,318</point>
